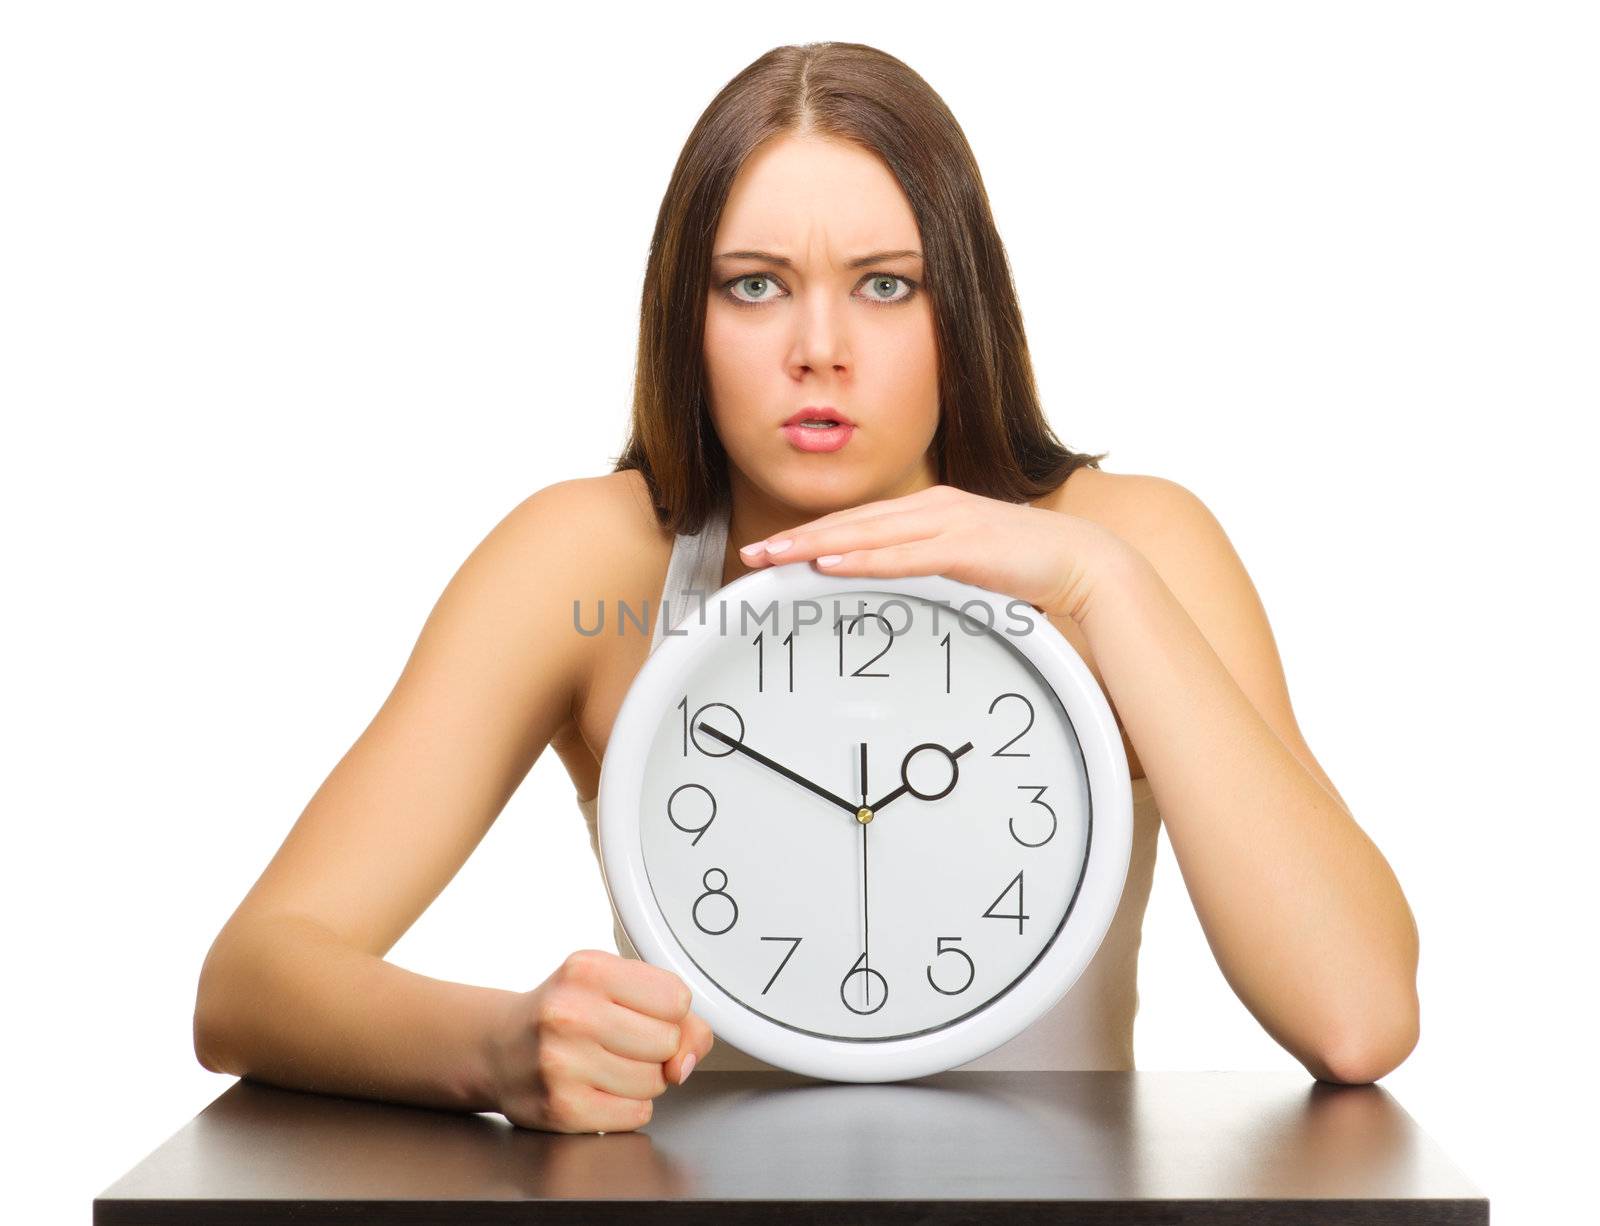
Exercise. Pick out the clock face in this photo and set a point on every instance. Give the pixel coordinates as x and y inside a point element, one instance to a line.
<point>864,817</point>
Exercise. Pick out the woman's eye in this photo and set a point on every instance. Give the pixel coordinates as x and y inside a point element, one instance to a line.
<point>745,280</point>
<point>877,281</point>
<point>880,288</point>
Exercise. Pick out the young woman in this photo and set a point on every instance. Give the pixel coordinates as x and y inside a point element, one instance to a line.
<point>824,252</point>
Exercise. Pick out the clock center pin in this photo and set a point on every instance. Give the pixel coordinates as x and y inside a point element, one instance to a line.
<point>863,815</point>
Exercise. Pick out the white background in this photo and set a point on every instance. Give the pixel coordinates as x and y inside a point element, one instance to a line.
<point>297,300</point>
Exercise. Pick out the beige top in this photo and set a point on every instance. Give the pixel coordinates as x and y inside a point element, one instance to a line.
<point>1091,1027</point>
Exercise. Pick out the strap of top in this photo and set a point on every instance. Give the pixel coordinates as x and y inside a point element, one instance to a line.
<point>694,572</point>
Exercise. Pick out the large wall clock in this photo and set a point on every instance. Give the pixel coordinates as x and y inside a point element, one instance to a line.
<point>878,826</point>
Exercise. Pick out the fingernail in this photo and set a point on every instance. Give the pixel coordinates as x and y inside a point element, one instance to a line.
<point>778,546</point>
<point>755,548</point>
<point>688,1067</point>
<point>829,559</point>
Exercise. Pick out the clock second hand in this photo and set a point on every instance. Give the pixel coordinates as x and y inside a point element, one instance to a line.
<point>866,914</point>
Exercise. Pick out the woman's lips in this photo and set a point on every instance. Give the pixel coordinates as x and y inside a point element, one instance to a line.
<point>814,438</point>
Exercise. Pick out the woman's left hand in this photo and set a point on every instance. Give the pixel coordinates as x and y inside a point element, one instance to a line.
<point>1052,560</point>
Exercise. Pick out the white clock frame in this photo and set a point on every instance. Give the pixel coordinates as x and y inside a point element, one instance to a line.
<point>653,695</point>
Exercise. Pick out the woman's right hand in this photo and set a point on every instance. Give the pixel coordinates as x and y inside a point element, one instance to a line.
<point>592,1046</point>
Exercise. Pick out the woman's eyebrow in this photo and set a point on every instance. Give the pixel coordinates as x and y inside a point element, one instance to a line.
<point>859,262</point>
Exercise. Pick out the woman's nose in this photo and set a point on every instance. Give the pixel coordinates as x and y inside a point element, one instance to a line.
<point>822,342</point>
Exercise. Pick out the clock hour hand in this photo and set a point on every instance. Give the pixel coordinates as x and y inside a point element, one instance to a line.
<point>782,770</point>
<point>905,774</point>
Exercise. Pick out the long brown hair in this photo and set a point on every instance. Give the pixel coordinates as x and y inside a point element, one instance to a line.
<point>992,437</point>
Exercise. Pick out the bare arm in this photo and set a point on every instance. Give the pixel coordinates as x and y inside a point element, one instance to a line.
<point>307,1010</point>
<point>1305,916</point>
<point>295,990</point>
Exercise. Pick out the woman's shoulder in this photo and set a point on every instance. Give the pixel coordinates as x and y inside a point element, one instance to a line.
<point>604,526</point>
<point>619,501</point>
<point>1135,506</point>
<point>613,552</point>
<point>564,549</point>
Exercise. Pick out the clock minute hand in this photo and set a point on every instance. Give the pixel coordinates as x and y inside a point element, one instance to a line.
<point>781,769</point>
<point>905,785</point>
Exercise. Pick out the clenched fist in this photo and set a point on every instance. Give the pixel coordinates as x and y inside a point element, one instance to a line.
<point>591,1047</point>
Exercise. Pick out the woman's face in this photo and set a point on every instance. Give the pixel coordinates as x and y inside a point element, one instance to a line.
<point>840,325</point>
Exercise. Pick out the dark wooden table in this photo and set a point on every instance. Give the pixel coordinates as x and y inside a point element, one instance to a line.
<point>960,1147</point>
